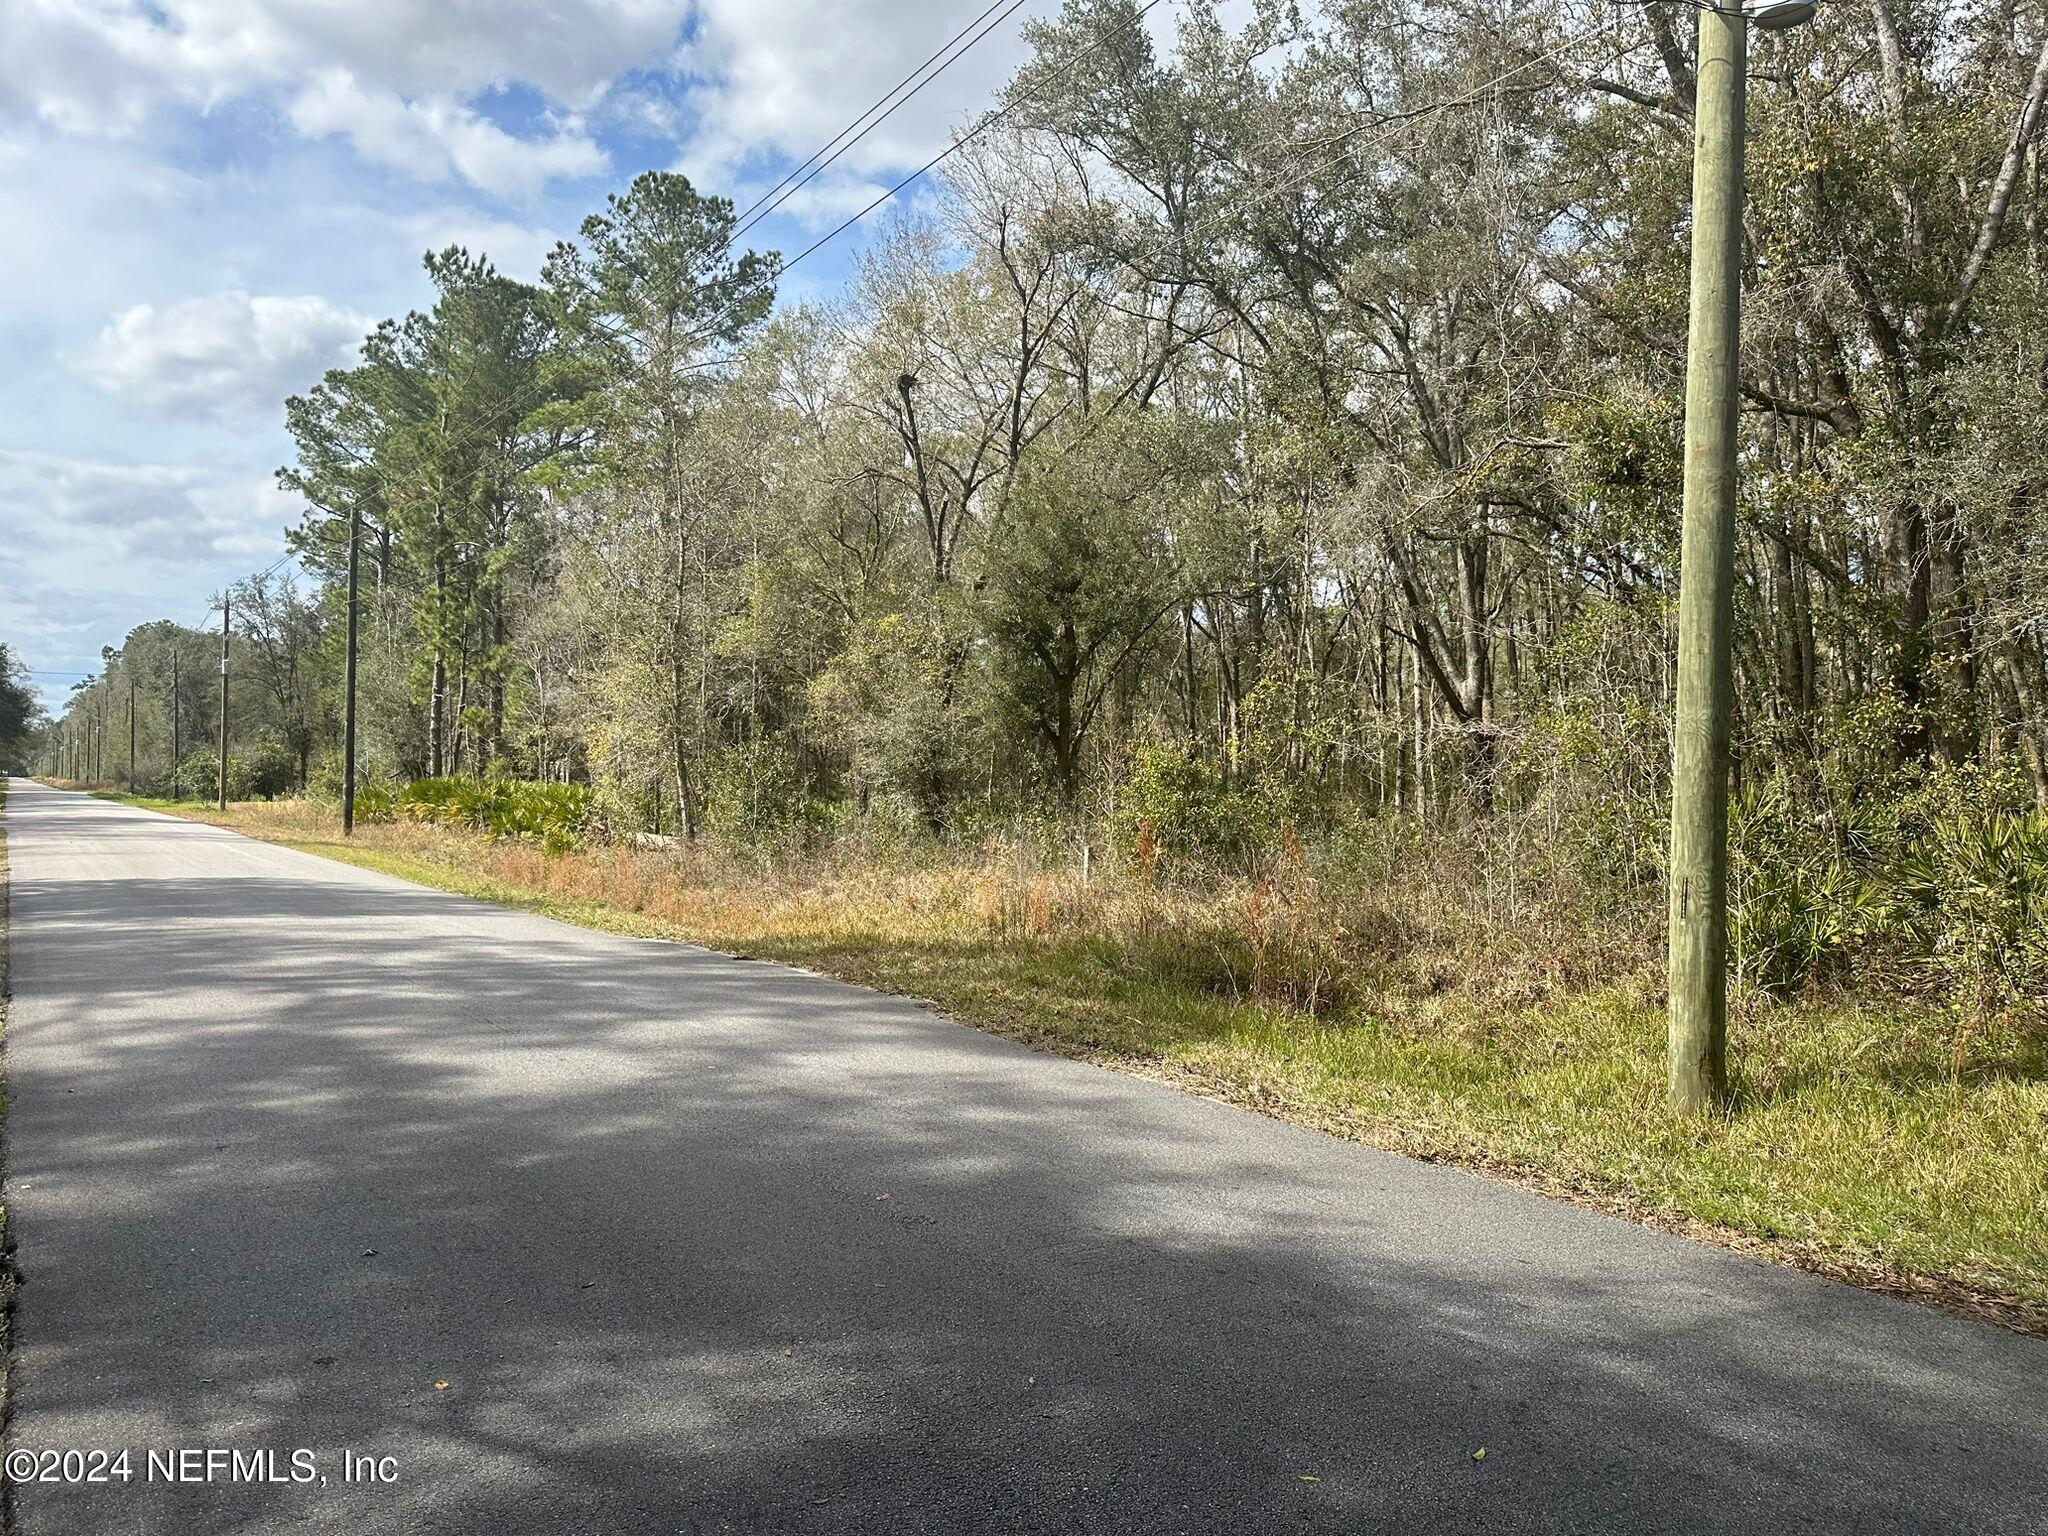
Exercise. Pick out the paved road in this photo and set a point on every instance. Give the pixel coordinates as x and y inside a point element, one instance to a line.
<point>706,1245</point>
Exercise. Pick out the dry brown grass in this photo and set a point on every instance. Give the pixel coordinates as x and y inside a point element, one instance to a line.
<point>1405,997</point>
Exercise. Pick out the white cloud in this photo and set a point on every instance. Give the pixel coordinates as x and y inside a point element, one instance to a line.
<point>770,76</point>
<point>161,514</point>
<point>228,358</point>
<point>96,548</point>
<point>73,60</point>
<point>433,138</point>
<point>398,77</point>
<point>515,249</point>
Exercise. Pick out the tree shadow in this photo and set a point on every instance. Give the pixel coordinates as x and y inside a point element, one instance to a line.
<point>702,1244</point>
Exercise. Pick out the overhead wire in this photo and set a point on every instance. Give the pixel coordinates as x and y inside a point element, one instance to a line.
<point>948,54</point>
<point>793,181</point>
<point>756,212</point>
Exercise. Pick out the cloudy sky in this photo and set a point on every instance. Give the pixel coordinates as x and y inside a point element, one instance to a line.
<point>208,201</point>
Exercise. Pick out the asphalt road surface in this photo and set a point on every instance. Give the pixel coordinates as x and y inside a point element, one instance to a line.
<point>700,1244</point>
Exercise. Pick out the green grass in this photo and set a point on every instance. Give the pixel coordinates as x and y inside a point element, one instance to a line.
<point>1860,1144</point>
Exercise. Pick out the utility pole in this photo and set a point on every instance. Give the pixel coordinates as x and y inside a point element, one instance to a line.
<point>1706,584</point>
<point>177,744</point>
<point>1698,1006</point>
<point>348,709</point>
<point>226,602</point>
<point>131,733</point>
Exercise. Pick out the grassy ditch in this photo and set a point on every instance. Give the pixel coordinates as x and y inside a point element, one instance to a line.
<point>1866,1142</point>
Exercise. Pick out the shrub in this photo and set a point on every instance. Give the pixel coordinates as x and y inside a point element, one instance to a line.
<point>271,770</point>
<point>761,791</point>
<point>1803,887</point>
<point>1974,893</point>
<point>197,776</point>
<point>557,816</point>
<point>1180,806</point>
<point>375,802</point>
<point>1937,874</point>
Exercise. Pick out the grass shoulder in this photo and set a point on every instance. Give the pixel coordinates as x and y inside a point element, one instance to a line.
<point>1858,1148</point>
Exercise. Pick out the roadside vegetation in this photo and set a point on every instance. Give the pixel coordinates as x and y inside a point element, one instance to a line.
<point>1201,596</point>
<point>1392,987</point>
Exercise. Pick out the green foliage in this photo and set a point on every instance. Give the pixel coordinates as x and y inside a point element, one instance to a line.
<point>892,704</point>
<point>376,802</point>
<point>762,792</point>
<point>1178,805</point>
<point>1944,881</point>
<point>1974,893</point>
<point>1802,893</point>
<point>270,771</point>
<point>198,776</point>
<point>20,714</point>
<point>556,816</point>
<point>1078,577</point>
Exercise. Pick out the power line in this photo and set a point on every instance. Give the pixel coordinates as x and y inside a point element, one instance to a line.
<point>988,120</point>
<point>802,174</point>
<point>950,53</point>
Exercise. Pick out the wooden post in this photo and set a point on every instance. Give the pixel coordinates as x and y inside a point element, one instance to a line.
<point>1698,1013</point>
<point>348,709</point>
<point>226,602</point>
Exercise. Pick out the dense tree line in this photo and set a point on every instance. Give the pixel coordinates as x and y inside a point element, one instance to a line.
<point>1273,429</point>
<point>21,716</point>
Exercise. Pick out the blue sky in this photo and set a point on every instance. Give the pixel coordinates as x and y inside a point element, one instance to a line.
<point>210,200</point>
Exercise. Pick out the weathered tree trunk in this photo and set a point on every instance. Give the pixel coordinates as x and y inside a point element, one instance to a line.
<point>2030,711</point>
<point>488,749</point>
<point>686,812</point>
<point>436,714</point>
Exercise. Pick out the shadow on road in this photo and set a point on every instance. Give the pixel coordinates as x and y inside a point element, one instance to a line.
<point>703,1244</point>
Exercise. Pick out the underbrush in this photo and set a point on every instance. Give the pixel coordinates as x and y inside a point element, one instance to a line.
<point>1399,994</point>
<point>556,816</point>
<point>1937,894</point>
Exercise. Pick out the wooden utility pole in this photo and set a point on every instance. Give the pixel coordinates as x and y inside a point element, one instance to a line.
<point>131,733</point>
<point>348,708</point>
<point>226,603</point>
<point>1698,1015</point>
<point>177,743</point>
